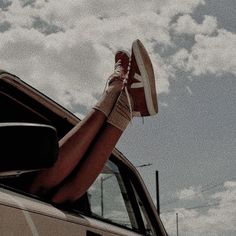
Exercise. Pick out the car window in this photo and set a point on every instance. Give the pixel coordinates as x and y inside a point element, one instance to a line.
<point>109,200</point>
<point>147,224</point>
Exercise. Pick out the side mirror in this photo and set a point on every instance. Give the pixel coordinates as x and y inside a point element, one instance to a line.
<point>26,147</point>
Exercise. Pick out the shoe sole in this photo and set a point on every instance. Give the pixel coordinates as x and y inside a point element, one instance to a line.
<point>146,70</point>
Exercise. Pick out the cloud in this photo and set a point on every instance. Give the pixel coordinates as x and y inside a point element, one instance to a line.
<point>45,27</point>
<point>25,3</point>
<point>210,54</point>
<point>79,115</point>
<point>218,217</point>
<point>67,50</point>
<point>189,91</point>
<point>172,8</point>
<point>4,4</point>
<point>189,193</point>
<point>4,26</point>
<point>187,25</point>
<point>57,65</point>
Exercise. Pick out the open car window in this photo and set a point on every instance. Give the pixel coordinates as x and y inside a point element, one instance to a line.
<point>109,199</point>
<point>147,224</point>
<point>113,198</point>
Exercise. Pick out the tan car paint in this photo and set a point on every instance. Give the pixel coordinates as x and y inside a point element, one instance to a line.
<point>32,217</point>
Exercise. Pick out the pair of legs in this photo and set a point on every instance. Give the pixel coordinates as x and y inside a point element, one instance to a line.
<point>91,142</point>
<point>92,137</point>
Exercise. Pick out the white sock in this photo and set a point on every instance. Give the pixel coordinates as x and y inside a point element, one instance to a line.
<point>108,100</point>
<point>120,115</point>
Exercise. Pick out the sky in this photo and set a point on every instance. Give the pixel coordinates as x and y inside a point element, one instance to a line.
<point>66,49</point>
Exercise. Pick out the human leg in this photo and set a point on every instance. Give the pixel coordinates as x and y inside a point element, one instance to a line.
<point>93,164</point>
<point>107,138</point>
<point>75,144</point>
<point>99,153</point>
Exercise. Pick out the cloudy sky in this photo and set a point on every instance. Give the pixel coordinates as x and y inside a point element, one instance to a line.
<point>66,50</point>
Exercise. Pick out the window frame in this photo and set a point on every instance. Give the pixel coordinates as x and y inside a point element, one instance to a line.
<point>157,224</point>
<point>138,217</point>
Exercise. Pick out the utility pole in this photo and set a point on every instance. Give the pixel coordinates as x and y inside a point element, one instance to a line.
<point>157,186</point>
<point>102,207</point>
<point>177,224</point>
<point>103,179</point>
<point>157,193</point>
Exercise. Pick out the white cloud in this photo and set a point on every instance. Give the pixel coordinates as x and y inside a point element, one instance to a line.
<point>210,54</point>
<point>72,62</point>
<point>172,8</point>
<point>163,104</point>
<point>57,65</point>
<point>189,91</point>
<point>187,25</point>
<point>67,50</point>
<point>189,193</point>
<point>180,59</point>
<point>217,219</point>
<point>79,115</point>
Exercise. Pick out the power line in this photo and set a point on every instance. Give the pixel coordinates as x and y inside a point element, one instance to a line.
<point>199,206</point>
<point>205,188</point>
<point>195,207</point>
<point>194,228</point>
<point>143,165</point>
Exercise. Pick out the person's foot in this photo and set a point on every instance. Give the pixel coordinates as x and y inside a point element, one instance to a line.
<point>114,84</point>
<point>121,68</point>
<point>141,82</point>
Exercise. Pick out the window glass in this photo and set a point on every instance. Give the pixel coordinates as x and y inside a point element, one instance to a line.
<point>148,226</point>
<point>108,198</point>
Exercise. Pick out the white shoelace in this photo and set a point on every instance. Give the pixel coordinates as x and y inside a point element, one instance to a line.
<point>118,68</point>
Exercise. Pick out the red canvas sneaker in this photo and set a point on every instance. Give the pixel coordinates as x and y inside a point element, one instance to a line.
<point>122,65</point>
<point>141,82</point>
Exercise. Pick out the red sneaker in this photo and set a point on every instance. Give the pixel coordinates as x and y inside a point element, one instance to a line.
<point>122,64</point>
<point>141,82</point>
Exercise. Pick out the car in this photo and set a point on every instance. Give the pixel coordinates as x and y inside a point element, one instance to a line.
<point>118,203</point>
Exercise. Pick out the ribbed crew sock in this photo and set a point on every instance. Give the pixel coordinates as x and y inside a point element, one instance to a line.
<point>108,99</point>
<point>120,115</point>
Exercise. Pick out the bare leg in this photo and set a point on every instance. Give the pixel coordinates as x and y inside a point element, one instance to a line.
<point>72,148</point>
<point>117,121</point>
<point>91,167</point>
<point>141,86</point>
<point>97,156</point>
<point>75,144</point>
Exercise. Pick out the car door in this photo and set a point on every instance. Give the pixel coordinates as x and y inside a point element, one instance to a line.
<point>22,215</point>
<point>112,207</point>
